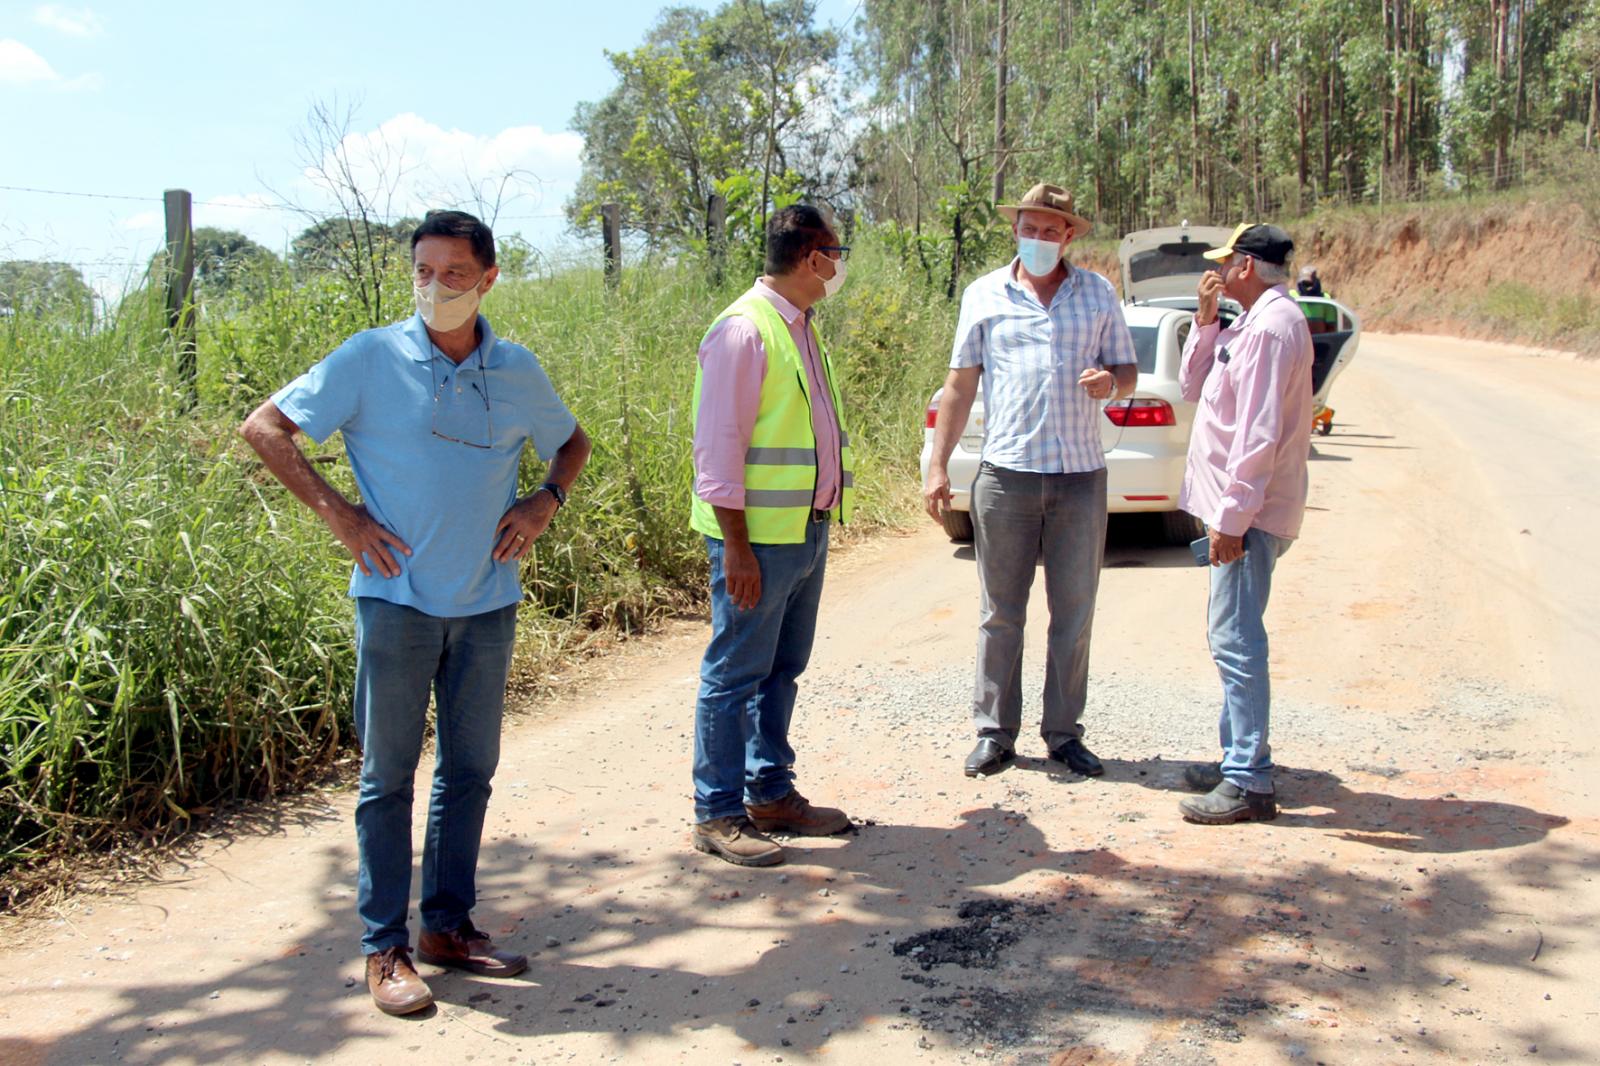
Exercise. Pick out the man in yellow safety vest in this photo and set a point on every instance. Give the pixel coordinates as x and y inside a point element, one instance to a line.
<point>772,472</point>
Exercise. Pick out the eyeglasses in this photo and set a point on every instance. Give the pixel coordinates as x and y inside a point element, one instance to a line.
<point>459,280</point>
<point>842,249</point>
<point>483,394</point>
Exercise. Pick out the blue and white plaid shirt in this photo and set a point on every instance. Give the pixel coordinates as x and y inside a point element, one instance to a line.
<point>1038,418</point>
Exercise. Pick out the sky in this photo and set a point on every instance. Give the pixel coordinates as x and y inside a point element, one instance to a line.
<point>123,99</point>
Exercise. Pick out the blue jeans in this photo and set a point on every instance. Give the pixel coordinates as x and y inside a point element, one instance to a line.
<point>1238,639</point>
<point>400,654</point>
<point>1020,520</point>
<point>747,679</point>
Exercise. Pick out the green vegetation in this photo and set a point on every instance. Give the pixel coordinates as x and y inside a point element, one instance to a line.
<point>1516,309</point>
<point>173,626</point>
<point>928,112</point>
<point>35,288</point>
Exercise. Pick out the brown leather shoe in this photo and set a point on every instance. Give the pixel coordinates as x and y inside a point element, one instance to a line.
<point>468,949</point>
<point>795,814</point>
<point>394,983</point>
<point>733,838</point>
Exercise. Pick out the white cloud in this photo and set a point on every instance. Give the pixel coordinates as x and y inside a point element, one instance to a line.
<point>21,65</point>
<point>143,220</point>
<point>73,21</point>
<point>429,166</point>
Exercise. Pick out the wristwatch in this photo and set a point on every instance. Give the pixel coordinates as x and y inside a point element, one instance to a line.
<point>556,491</point>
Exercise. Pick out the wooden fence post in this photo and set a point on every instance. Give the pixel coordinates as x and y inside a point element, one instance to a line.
<point>180,285</point>
<point>716,234</point>
<point>611,227</point>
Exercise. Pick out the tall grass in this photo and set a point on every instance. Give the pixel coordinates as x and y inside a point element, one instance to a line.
<point>173,627</point>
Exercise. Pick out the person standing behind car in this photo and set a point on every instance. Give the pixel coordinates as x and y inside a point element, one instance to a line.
<point>1246,479</point>
<point>1047,340</point>
<point>1321,315</point>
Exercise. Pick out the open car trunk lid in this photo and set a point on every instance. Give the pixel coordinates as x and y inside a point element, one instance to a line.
<point>1167,262</point>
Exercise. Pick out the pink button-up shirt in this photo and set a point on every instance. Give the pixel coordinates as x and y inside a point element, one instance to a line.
<point>733,362</point>
<point>1252,430</point>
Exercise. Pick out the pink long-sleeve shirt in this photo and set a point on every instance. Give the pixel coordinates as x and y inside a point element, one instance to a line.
<point>1252,430</point>
<point>733,362</point>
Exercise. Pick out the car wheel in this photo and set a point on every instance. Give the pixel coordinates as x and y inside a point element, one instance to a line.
<point>1181,527</point>
<point>958,525</point>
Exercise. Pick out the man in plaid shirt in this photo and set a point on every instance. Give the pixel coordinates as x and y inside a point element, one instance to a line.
<point>1048,342</point>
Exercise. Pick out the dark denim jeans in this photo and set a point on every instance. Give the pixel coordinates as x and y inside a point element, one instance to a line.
<point>1019,519</point>
<point>1238,639</point>
<point>747,678</point>
<point>400,654</point>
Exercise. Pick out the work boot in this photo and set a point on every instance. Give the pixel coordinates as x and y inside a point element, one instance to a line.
<point>1203,776</point>
<point>394,983</point>
<point>1228,803</point>
<point>469,949</point>
<point>795,814</point>
<point>733,838</point>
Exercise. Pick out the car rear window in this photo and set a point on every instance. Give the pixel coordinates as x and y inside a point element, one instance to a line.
<point>1144,347</point>
<point>1165,260</point>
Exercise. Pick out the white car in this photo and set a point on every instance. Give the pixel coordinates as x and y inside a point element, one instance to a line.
<point>1146,435</point>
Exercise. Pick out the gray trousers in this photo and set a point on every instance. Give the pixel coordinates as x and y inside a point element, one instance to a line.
<point>1022,519</point>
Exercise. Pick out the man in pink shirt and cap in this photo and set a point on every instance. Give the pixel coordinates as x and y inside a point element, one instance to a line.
<point>1246,480</point>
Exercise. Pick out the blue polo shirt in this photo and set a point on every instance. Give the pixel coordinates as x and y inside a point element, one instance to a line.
<point>395,397</point>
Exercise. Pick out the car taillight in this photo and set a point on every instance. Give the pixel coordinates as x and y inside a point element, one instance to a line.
<point>1141,411</point>
<point>933,413</point>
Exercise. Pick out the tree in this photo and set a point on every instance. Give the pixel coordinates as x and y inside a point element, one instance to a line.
<point>339,245</point>
<point>225,261</point>
<point>45,290</point>
<point>357,241</point>
<point>223,258</point>
<point>708,104</point>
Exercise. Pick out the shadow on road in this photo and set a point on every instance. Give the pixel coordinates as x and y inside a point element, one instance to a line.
<point>1089,935</point>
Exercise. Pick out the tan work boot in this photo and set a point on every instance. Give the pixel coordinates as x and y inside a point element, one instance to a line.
<point>795,814</point>
<point>394,983</point>
<point>733,838</point>
<point>469,949</point>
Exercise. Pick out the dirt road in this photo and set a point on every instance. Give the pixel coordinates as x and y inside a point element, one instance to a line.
<point>1428,895</point>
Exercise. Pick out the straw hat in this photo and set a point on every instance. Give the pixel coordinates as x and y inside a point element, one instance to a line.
<point>1051,200</point>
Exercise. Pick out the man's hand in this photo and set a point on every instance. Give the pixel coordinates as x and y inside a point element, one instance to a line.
<point>519,527</point>
<point>1098,383</point>
<point>1210,293</point>
<point>365,539</point>
<point>742,573</point>
<point>936,492</point>
<point>1225,548</point>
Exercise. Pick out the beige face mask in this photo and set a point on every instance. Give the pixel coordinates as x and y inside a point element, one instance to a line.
<point>443,308</point>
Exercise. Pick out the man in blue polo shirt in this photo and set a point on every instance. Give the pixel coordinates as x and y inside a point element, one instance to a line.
<point>435,413</point>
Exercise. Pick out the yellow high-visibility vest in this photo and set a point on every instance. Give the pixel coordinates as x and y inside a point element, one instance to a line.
<point>780,466</point>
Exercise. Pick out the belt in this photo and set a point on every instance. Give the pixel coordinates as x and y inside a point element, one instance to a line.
<point>821,515</point>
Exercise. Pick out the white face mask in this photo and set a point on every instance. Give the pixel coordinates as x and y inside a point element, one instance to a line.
<point>1038,257</point>
<point>835,283</point>
<point>444,308</point>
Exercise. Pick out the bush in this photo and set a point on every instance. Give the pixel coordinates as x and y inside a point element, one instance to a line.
<point>173,624</point>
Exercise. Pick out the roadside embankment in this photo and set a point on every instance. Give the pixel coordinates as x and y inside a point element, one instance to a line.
<point>1523,268</point>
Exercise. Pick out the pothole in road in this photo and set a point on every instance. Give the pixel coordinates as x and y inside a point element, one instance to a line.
<point>1023,1010</point>
<point>988,928</point>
